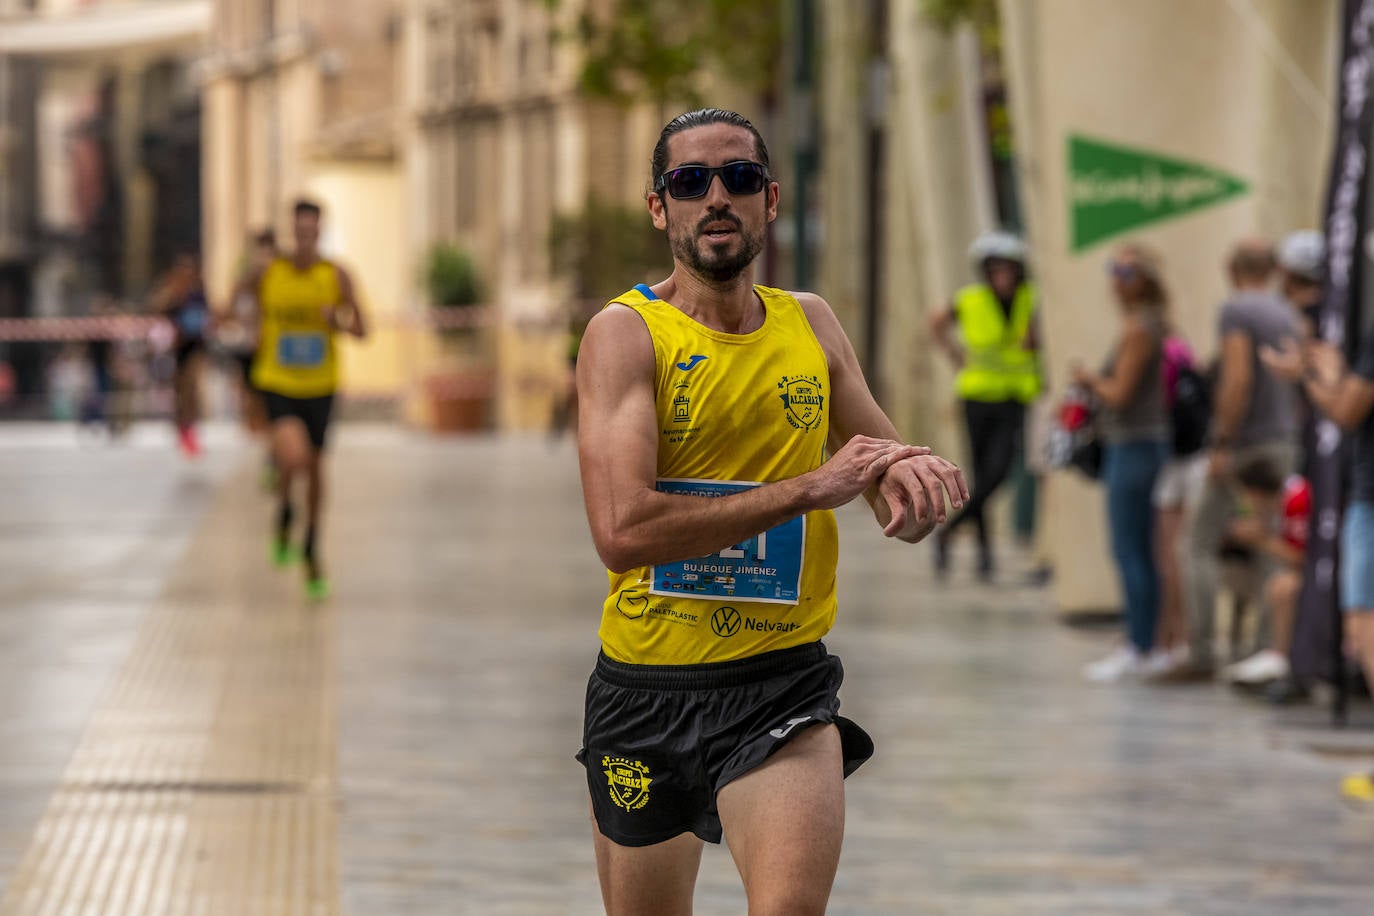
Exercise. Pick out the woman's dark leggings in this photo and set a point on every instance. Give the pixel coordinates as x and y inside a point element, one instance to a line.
<point>994,435</point>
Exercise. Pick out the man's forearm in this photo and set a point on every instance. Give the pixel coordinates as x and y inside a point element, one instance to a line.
<point>668,527</point>
<point>1322,394</point>
<point>1282,551</point>
<point>1230,410</point>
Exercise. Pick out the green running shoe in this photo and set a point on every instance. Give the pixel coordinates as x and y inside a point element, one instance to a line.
<point>317,589</point>
<point>283,554</point>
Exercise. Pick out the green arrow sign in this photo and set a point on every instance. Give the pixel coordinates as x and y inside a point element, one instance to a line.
<point>1114,189</point>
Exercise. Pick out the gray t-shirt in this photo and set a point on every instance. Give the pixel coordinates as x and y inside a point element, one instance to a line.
<point>1272,414</point>
<point>1362,454</point>
<point>1144,417</point>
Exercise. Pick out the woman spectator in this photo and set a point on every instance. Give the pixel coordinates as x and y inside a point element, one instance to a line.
<point>1133,422</point>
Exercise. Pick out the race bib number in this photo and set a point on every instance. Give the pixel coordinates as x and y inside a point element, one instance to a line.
<point>192,320</point>
<point>766,567</point>
<point>300,351</point>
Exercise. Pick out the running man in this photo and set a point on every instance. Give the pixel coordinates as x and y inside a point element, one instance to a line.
<point>713,707</point>
<point>303,300</point>
<point>239,334</point>
<point>181,298</point>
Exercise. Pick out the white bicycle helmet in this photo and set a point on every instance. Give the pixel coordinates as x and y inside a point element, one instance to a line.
<point>1303,253</point>
<point>1005,246</point>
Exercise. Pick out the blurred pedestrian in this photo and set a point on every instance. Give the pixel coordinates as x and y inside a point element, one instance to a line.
<point>302,301</point>
<point>1176,491</point>
<point>1254,415</point>
<point>238,331</point>
<point>1301,259</point>
<point>181,297</point>
<point>989,333</point>
<point>1272,525</point>
<point>100,349</point>
<point>1346,397</point>
<point>1133,423</point>
<point>70,381</point>
<point>1302,265</point>
<point>565,399</point>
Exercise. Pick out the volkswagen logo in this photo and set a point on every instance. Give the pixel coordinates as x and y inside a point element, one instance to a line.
<point>725,621</point>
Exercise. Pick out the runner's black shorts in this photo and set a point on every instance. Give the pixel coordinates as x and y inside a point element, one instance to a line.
<point>313,412</point>
<point>185,349</point>
<point>660,741</point>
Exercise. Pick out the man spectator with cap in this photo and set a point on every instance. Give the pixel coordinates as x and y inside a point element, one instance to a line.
<point>1254,416</point>
<point>1302,267</point>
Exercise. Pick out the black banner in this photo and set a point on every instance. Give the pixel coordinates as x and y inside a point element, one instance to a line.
<point>1316,635</point>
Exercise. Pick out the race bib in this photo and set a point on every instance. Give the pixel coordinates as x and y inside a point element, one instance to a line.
<point>300,351</point>
<point>766,567</point>
<point>192,319</point>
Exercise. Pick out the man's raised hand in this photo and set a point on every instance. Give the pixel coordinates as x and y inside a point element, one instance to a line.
<point>859,464</point>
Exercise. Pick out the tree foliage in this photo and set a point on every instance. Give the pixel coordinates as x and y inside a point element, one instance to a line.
<point>981,14</point>
<point>606,249</point>
<point>657,50</point>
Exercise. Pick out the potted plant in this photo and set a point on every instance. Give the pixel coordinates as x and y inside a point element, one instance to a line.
<point>460,395</point>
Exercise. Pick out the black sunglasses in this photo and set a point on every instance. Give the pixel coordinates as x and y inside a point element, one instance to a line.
<point>692,181</point>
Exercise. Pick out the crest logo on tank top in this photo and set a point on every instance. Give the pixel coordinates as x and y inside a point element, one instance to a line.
<point>802,400</point>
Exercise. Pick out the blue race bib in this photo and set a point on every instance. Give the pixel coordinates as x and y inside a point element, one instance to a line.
<point>766,567</point>
<point>300,351</point>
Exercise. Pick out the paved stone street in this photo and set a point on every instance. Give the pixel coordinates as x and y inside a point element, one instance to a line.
<point>181,732</point>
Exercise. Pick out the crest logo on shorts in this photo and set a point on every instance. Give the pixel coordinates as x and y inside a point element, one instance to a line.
<point>725,621</point>
<point>628,781</point>
<point>802,400</point>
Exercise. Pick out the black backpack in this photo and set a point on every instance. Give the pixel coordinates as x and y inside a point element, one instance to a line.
<point>1191,410</point>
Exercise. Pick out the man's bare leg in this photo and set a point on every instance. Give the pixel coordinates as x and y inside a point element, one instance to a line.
<point>291,455</point>
<point>653,880</point>
<point>784,823</point>
<point>1172,630</point>
<point>1281,594</point>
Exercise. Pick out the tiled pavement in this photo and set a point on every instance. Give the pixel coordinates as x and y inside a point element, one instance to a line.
<point>204,741</point>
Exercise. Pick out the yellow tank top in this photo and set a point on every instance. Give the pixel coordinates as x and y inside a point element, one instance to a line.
<point>734,410</point>
<point>296,355</point>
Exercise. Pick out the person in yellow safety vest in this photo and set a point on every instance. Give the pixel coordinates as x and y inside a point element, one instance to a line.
<point>996,354</point>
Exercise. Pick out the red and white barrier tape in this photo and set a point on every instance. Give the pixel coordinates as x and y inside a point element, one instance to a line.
<point>114,327</point>
<point>137,327</point>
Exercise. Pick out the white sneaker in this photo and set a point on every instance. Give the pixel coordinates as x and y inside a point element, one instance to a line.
<point>1124,662</point>
<point>1159,663</point>
<point>1264,666</point>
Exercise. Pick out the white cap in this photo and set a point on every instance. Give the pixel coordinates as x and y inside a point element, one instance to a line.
<point>1303,253</point>
<point>1004,246</point>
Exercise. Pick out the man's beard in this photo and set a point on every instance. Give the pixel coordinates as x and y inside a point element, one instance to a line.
<point>716,267</point>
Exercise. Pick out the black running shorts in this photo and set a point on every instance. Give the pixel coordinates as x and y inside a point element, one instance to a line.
<point>313,412</point>
<point>659,741</point>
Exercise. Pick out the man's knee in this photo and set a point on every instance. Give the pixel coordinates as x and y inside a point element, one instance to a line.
<point>1282,588</point>
<point>787,903</point>
<point>291,446</point>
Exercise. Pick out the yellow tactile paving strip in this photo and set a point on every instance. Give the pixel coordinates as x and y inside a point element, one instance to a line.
<point>204,783</point>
